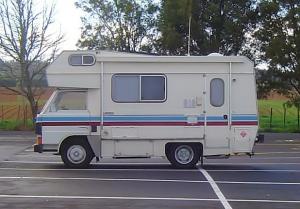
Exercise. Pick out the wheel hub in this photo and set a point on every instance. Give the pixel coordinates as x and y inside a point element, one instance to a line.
<point>184,154</point>
<point>76,154</point>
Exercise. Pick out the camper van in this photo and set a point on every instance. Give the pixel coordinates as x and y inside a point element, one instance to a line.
<point>123,105</point>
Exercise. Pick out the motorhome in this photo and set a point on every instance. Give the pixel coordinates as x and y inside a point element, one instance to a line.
<point>123,105</point>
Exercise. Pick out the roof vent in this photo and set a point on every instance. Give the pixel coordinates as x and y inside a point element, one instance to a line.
<point>82,59</point>
<point>215,54</point>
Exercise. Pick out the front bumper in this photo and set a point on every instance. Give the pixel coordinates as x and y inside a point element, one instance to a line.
<point>38,148</point>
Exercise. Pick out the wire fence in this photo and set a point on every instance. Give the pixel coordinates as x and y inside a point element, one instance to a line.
<point>15,117</point>
<point>280,118</point>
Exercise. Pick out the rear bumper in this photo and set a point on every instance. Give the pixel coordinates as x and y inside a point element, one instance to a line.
<point>38,148</point>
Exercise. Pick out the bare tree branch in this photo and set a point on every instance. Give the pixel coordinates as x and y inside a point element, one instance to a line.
<point>26,46</point>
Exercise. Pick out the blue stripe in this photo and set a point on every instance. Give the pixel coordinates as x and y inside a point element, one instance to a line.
<point>145,118</point>
<point>142,118</point>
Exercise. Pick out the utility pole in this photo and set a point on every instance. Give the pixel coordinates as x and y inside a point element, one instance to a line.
<point>189,37</point>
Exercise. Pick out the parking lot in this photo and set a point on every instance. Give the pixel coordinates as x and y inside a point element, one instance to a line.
<point>270,179</point>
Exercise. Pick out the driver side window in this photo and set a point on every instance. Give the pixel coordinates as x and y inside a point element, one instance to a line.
<point>69,100</point>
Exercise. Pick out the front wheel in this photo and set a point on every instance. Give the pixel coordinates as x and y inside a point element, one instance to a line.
<point>76,154</point>
<point>184,155</point>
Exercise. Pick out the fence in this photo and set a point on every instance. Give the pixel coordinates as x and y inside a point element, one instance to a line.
<point>279,118</point>
<point>15,117</point>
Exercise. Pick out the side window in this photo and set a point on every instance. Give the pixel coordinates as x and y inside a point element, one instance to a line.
<point>217,92</point>
<point>138,88</point>
<point>69,100</point>
<point>125,88</point>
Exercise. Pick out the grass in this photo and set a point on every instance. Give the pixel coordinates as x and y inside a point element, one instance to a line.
<point>16,125</point>
<point>277,123</point>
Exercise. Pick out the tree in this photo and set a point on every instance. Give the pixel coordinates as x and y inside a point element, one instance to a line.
<point>216,26</point>
<point>127,25</point>
<point>26,46</point>
<point>278,36</point>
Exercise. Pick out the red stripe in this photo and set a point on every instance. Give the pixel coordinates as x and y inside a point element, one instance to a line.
<point>217,123</point>
<point>66,123</point>
<point>241,123</point>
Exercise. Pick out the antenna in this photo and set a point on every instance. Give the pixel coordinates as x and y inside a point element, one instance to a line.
<point>189,37</point>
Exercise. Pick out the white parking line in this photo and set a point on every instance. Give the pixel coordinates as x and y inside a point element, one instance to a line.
<point>265,201</point>
<point>250,170</point>
<point>141,169</point>
<point>99,169</point>
<point>258,182</point>
<point>141,198</point>
<point>268,153</point>
<point>145,180</point>
<point>216,189</point>
<point>100,179</point>
<point>101,197</point>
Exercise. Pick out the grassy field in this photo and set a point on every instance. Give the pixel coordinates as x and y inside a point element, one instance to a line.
<point>277,123</point>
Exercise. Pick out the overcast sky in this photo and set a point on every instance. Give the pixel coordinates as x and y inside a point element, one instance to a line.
<point>67,19</point>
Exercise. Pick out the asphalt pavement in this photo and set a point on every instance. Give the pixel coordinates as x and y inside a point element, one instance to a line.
<point>270,179</point>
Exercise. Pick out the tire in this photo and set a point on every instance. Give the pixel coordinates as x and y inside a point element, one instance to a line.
<point>76,153</point>
<point>184,155</point>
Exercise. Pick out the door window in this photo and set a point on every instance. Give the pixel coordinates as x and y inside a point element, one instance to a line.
<point>217,92</point>
<point>69,100</point>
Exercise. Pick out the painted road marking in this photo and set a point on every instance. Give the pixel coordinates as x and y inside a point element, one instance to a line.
<point>103,197</point>
<point>216,189</point>
<point>99,169</point>
<point>100,179</point>
<point>279,144</point>
<point>145,180</point>
<point>258,182</point>
<point>142,169</point>
<point>143,198</point>
<point>249,170</point>
<point>267,153</point>
<point>264,201</point>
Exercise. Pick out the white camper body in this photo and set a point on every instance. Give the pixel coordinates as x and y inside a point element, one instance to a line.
<point>124,105</point>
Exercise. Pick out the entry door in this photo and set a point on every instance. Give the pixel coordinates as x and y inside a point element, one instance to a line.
<point>217,111</point>
<point>66,116</point>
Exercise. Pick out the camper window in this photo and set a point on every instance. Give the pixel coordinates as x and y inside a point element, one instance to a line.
<point>217,92</point>
<point>69,100</point>
<point>80,59</point>
<point>138,88</point>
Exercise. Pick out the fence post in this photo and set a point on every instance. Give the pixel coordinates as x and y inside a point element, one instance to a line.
<point>271,117</point>
<point>284,115</point>
<point>25,115</point>
<point>2,113</point>
<point>19,110</point>
<point>298,116</point>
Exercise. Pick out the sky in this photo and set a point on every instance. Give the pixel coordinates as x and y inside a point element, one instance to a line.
<point>67,20</point>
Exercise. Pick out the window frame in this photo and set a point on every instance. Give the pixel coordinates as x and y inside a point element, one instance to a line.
<point>53,101</point>
<point>140,75</point>
<point>223,92</point>
<point>82,56</point>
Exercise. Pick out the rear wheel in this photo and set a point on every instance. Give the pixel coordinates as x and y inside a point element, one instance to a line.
<point>184,155</point>
<point>76,153</point>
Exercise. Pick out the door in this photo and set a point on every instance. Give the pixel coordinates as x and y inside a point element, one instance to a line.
<point>67,115</point>
<point>217,111</point>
